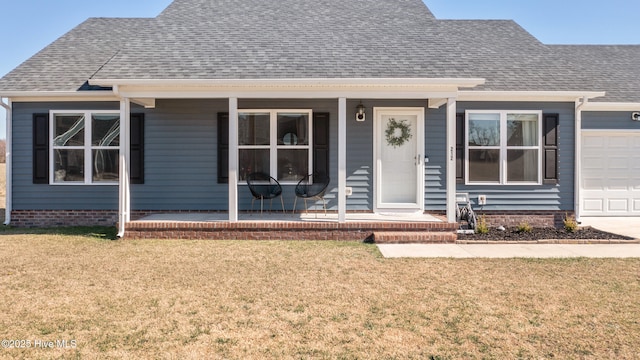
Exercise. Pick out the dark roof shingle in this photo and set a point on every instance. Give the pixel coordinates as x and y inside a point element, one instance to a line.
<point>257,39</point>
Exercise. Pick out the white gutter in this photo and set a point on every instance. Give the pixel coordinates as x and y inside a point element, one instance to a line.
<point>464,82</point>
<point>611,106</point>
<point>9,161</point>
<point>580,105</point>
<point>554,96</point>
<point>93,94</point>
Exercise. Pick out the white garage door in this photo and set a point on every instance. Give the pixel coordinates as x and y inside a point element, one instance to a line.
<point>610,174</point>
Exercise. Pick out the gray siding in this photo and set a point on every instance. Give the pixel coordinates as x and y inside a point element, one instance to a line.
<point>504,197</point>
<point>435,150</point>
<point>600,120</point>
<point>26,195</point>
<point>181,159</point>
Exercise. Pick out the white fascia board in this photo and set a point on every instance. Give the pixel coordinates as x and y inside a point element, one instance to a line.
<point>322,82</point>
<point>382,88</point>
<point>38,96</point>
<point>611,106</point>
<point>553,96</point>
<point>388,93</point>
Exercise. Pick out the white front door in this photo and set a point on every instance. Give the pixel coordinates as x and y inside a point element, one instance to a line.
<point>399,159</point>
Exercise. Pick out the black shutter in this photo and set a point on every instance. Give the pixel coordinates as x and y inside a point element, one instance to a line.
<point>40,148</point>
<point>223,148</point>
<point>460,130</point>
<point>137,148</point>
<point>550,127</point>
<point>321,144</point>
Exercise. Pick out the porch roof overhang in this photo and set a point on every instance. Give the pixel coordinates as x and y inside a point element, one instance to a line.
<point>547,96</point>
<point>371,88</point>
<point>611,106</point>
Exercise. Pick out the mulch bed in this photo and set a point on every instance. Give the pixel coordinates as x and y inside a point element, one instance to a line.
<point>586,233</point>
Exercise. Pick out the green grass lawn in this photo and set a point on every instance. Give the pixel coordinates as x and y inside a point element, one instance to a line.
<point>255,300</point>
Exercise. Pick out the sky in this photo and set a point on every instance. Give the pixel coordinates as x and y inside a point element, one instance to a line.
<point>27,26</point>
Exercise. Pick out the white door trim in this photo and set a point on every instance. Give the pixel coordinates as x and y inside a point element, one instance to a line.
<point>418,206</point>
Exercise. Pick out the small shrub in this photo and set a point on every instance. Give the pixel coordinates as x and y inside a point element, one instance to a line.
<point>524,227</point>
<point>482,227</point>
<point>570,223</point>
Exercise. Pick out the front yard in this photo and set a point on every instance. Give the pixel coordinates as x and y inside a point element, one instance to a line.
<point>243,300</point>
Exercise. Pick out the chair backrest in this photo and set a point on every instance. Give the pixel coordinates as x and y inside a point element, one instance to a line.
<point>263,186</point>
<point>306,188</point>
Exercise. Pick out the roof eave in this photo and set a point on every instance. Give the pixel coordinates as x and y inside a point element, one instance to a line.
<point>94,95</point>
<point>553,96</point>
<point>611,106</point>
<point>308,82</point>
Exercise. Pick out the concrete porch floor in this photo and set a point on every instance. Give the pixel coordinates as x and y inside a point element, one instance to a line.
<point>290,217</point>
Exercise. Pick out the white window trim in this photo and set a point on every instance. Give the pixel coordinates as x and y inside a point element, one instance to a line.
<point>503,147</point>
<point>273,141</point>
<point>88,155</point>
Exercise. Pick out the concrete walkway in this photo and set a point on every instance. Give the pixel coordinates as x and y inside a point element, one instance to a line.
<point>509,251</point>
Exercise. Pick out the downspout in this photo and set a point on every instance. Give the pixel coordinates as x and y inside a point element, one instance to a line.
<point>578,157</point>
<point>9,162</point>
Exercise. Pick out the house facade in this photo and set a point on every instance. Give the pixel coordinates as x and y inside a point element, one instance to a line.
<point>122,118</point>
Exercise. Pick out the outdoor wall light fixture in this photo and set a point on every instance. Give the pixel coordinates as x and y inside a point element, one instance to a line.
<point>360,115</point>
<point>635,116</point>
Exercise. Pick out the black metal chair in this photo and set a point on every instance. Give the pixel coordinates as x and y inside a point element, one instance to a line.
<point>308,190</point>
<point>263,186</point>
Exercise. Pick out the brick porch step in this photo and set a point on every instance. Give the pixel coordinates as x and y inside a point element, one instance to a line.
<point>414,237</point>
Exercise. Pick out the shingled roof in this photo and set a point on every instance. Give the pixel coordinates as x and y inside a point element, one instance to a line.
<point>290,39</point>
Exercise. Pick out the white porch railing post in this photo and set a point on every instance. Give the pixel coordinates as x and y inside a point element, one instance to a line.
<point>233,159</point>
<point>342,160</point>
<point>451,161</point>
<point>124,198</point>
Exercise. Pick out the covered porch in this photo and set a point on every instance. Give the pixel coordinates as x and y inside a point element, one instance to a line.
<point>342,222</point>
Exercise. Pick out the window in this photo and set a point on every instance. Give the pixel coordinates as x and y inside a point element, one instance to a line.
<point>503,147</point>
<point>85,147</point>
<point>275,142</point>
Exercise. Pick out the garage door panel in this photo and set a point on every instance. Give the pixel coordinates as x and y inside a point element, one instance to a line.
<point>610,183</point>
<point>618,163</point>
<point>594,164</point>
<point>617,184</point>
<point>618,205</point>
<point>592,142</point>
<point>595,205</point>
<point>593,184</point>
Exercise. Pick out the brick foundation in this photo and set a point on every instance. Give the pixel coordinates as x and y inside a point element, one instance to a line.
<point>54,218</point>
<point>352,231</point>
<point>537,219</point>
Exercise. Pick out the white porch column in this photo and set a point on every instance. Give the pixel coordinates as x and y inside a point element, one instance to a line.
<point>451,161</point>
<point>233,159</point>
<point>342,160</point>
<point>124,199</point>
